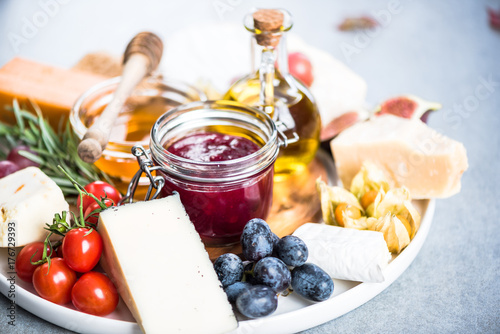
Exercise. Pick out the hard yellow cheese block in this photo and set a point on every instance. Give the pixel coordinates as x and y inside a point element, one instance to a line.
<point>54,89</point>
<point>412,154</point>
<point>161,269</point>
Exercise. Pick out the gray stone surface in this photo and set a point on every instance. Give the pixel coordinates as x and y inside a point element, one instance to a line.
<point>442,51</point>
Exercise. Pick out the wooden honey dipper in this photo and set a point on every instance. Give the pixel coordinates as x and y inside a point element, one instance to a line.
<point>141,57</point>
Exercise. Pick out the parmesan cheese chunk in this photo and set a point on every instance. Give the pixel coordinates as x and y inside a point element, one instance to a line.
<point>412,154</point>
<point>161,269</point>
<point>29,199</point>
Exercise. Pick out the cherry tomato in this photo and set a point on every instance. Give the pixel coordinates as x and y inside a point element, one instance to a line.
<point>81,249</point>
<point>347,210</point>
<point>94,293</point>
<point>54,283</point>
<point>99,189</point>
<point>24,268</point>
<point>58,251</point>
<point>301,68</point>
<point>93,206</point>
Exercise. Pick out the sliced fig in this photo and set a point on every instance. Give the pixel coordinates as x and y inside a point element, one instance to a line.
<point>339,124</point>
<point>407,106</point>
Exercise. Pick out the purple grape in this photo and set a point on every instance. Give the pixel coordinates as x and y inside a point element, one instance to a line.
<point>7,167</point>
<point>23,162</point>
<point>236,289</point>
<point>19,160</point>
<point>256,240</point>
<point>229,269</point>
<point>276,239</point>
<point>292,250</point>
<point>274,273</point>
<point>258,301</point>
<point>312,282</point>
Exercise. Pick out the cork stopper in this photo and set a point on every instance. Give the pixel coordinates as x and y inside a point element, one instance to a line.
<point>149,45</point>
<point>269,22</point>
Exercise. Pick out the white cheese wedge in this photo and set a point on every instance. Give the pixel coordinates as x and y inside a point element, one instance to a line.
<point>29,199</point>
<point>345,253</point>
<point>161,269</point>
<point>412,154</point>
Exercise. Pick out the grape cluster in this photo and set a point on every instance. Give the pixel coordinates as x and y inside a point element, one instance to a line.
<point>272,266</point>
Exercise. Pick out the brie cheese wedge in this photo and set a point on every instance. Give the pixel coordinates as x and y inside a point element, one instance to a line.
<point>345,253</point>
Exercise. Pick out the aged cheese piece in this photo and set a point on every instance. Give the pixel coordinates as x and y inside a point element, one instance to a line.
<point>53,89</point>
<point>346,253</point>
<point>29,199</point>
<point>161,269</point>
<point>411,153</point>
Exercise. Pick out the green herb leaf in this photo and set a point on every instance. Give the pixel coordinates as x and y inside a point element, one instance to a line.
<point>53,149</point>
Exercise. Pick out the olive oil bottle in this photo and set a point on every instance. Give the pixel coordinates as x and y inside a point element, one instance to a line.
<point>272,88</point>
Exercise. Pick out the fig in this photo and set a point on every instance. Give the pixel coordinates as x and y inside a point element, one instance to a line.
<point>339,124</point>
<point>407,106</point>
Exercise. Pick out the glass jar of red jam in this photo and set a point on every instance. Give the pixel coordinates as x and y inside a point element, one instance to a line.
<point>219,156</point>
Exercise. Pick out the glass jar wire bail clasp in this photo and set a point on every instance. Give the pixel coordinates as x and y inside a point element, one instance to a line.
<point>281,127</point>
<point>146,166</point>
<point>285,141</point>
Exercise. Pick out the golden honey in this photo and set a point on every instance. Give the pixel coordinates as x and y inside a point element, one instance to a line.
<point>152,98</point>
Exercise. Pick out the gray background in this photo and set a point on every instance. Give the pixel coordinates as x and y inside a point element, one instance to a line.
<point>443,51</point>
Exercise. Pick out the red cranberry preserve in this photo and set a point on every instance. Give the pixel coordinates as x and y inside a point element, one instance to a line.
<point>213,146</point>
<point>220,212</point>
<point>219,156</point>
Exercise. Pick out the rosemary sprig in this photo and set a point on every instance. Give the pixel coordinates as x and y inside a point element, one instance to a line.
<point>53,149</point>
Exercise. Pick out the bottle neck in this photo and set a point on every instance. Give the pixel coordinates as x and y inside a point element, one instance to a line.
<point>266,78</point>
<point>270,63</point>
<point>280,53</point>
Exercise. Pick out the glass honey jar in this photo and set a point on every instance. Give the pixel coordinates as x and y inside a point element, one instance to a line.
<point>151,98</point>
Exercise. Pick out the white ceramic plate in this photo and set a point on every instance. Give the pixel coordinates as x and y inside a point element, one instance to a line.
<point>294,314</point>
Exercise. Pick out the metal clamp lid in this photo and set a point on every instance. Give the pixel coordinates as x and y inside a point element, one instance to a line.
<point>281,127</point>
<point>147,167</point>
